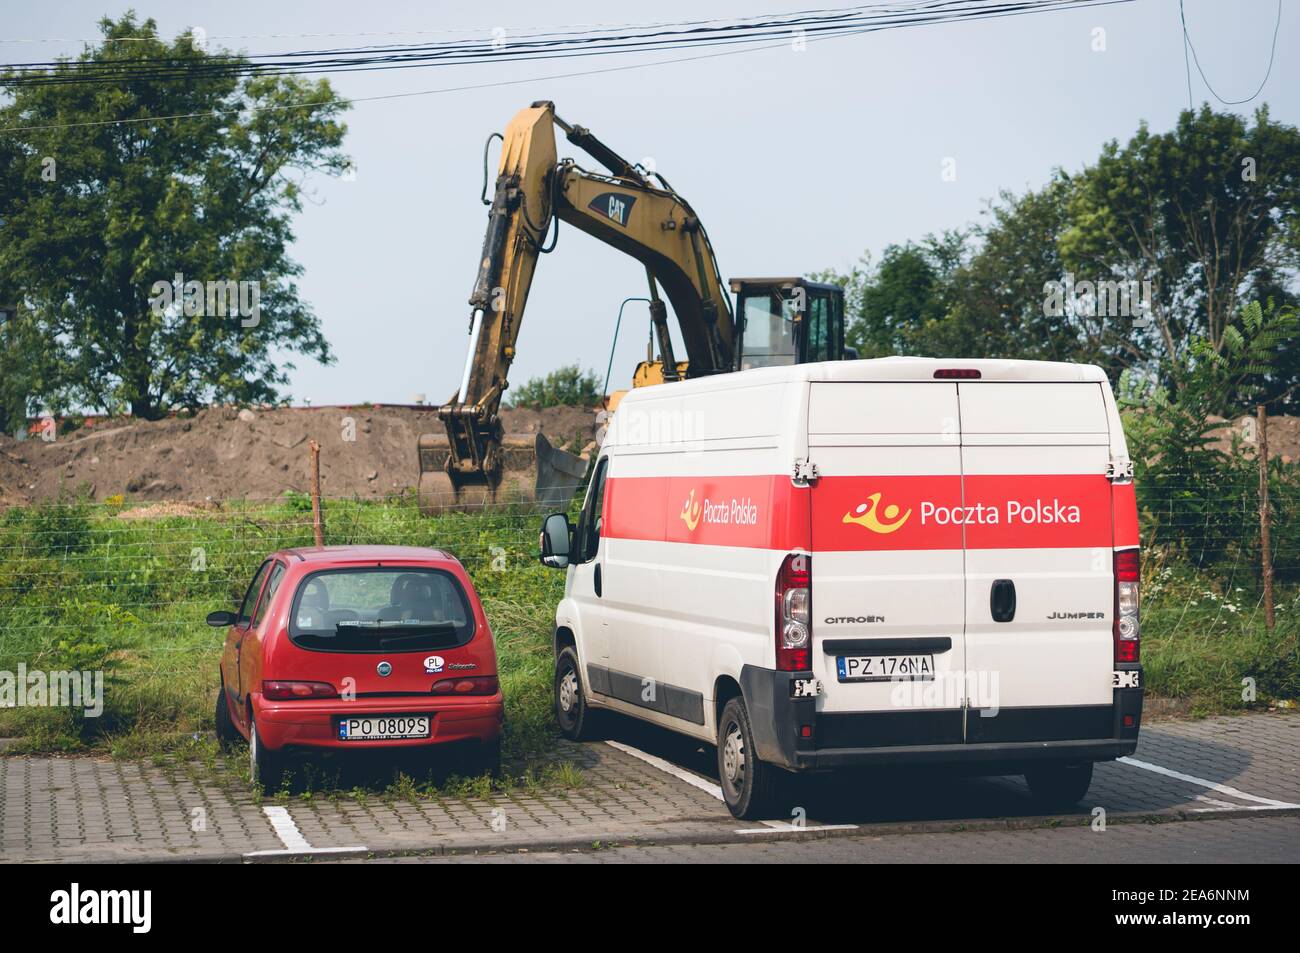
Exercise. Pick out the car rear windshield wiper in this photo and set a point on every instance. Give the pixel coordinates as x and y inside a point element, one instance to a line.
<point>406,625</point>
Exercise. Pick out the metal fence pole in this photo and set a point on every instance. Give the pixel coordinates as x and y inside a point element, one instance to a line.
<point>1265,549</point>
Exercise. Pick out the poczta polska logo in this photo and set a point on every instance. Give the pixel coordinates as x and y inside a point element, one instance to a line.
<point>731,512</point>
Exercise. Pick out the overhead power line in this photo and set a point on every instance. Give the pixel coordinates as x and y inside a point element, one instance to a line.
<point>1187,45</point>
<point>987,11</point>
<point>667,37</point>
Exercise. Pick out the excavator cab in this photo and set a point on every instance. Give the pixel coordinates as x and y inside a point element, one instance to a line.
<point>782,321</point>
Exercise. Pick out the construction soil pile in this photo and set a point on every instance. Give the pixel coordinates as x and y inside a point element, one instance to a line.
<point>226,453</point>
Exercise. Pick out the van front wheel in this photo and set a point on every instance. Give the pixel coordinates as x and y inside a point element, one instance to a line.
<point>750,787</point>
<point>571,711</point>
<point>1059,785</point>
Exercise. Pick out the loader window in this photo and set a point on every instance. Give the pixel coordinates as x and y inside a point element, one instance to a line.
<point>769,331</point>
<point>819,329</point>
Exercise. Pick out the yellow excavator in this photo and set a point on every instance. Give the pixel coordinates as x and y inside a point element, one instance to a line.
<point>781,320</point>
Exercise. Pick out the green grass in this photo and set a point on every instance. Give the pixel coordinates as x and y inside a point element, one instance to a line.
<point>1203,637</point>
<point>83,588</point>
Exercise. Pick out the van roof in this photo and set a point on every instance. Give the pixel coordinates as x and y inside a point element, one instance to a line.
<point>885,369</point>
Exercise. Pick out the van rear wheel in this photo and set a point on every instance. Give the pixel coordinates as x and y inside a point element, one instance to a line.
<point>572,713</point>
<point>1059,785</point>
<point>750,787</point>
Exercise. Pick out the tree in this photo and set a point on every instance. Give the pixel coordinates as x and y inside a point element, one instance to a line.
<point>895,307</point>
<point>107,198</point>
<point>1207,212</point>
<point>567,386</point>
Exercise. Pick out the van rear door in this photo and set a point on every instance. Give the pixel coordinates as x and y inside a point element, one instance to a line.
<point>888,589</point>
<point>1039,571</point>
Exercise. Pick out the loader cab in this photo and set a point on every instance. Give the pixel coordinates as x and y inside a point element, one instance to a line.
<point>785,321</point>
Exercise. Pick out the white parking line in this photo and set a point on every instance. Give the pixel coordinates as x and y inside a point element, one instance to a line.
<point>286,829</point>
<point>681,774</point>
<point>1266,802</point>
<point>708,787</point>
<point>774,827</point>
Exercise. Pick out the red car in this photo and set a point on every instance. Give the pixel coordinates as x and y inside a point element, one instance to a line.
<point>360,647</point>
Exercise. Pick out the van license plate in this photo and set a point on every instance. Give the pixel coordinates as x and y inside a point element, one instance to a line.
<point>885,668</point>
<point>383,727</point>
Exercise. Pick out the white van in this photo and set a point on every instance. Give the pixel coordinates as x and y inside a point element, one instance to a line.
<point>894,561</point>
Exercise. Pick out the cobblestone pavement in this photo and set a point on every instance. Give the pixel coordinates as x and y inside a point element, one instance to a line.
<point>88,809</point>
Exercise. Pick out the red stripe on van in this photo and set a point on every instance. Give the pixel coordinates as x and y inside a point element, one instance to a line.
<point>1124,500</point>
<point>759,512</point>
<point>1019,511</point>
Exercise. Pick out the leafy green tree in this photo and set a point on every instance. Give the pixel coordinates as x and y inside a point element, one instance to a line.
<point>108,188</point>
<point>895,307</point>
<point>1208,213</point>
<point>567,386</point>
<point>1194,497</point>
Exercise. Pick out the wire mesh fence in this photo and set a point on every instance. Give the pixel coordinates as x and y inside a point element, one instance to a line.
<point>125,587</point>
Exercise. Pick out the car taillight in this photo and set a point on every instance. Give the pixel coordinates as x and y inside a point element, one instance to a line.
<point>478,685</point>
<point>288,691</point>
<point>1127,625</point>
<point>794,614</point>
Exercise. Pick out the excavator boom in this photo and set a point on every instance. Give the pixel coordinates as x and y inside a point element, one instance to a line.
<point>476,463</point>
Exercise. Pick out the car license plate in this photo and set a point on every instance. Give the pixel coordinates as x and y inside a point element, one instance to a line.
<point>383,727</point>
<point>885,668</point>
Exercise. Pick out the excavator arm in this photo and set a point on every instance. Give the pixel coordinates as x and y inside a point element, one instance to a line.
<point>634,211</point>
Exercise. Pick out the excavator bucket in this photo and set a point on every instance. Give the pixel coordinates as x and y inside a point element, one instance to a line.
<point>532,473</point>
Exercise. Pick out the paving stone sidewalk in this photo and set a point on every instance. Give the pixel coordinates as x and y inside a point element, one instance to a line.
<point>91,809</point>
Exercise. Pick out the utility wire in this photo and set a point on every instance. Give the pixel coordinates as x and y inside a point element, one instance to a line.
<point>809,24</point>
<point>1002,10</point>
<point>1187,41</point>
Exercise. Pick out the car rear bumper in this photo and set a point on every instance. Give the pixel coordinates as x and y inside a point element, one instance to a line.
<point>314,723</point>
<point>1004,743</point>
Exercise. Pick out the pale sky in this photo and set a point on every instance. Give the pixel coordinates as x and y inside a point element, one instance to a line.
<point>795,161</point>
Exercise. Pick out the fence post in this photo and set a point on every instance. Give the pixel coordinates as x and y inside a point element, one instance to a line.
<point>1266,552</point>
<point>317,519</point>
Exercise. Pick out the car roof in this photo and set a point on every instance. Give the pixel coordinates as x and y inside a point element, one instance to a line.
<point>375,554</point>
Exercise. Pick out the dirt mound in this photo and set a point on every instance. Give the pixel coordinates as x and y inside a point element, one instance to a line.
<point>225,453</point>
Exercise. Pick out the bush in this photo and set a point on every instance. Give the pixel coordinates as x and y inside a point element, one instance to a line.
<point>569,386</point>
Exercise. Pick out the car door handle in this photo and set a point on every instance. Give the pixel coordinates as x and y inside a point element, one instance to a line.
<point>595,580</point>
<point>1002,600</point>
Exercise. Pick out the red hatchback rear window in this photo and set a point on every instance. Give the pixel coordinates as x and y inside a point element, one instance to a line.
<point>380,609</point>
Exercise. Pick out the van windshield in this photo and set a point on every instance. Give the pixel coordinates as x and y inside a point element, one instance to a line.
<point>380,610</point>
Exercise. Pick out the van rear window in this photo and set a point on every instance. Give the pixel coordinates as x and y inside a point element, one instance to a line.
<point>379,609</point>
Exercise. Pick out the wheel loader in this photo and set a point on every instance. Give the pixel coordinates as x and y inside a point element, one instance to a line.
<point>775,320</point>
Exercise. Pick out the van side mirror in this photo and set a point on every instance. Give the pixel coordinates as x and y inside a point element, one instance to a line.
<point>555,541</point>
<point>221,619</point>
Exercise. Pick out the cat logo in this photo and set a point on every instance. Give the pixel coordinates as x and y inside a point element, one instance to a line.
<point>616,206</point>
<point>865,515</point>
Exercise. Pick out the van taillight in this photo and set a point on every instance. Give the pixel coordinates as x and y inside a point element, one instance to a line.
<point>288,691</point>
<point>957,374</point>
<point>1127,624</point>
<point>794,614</point>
